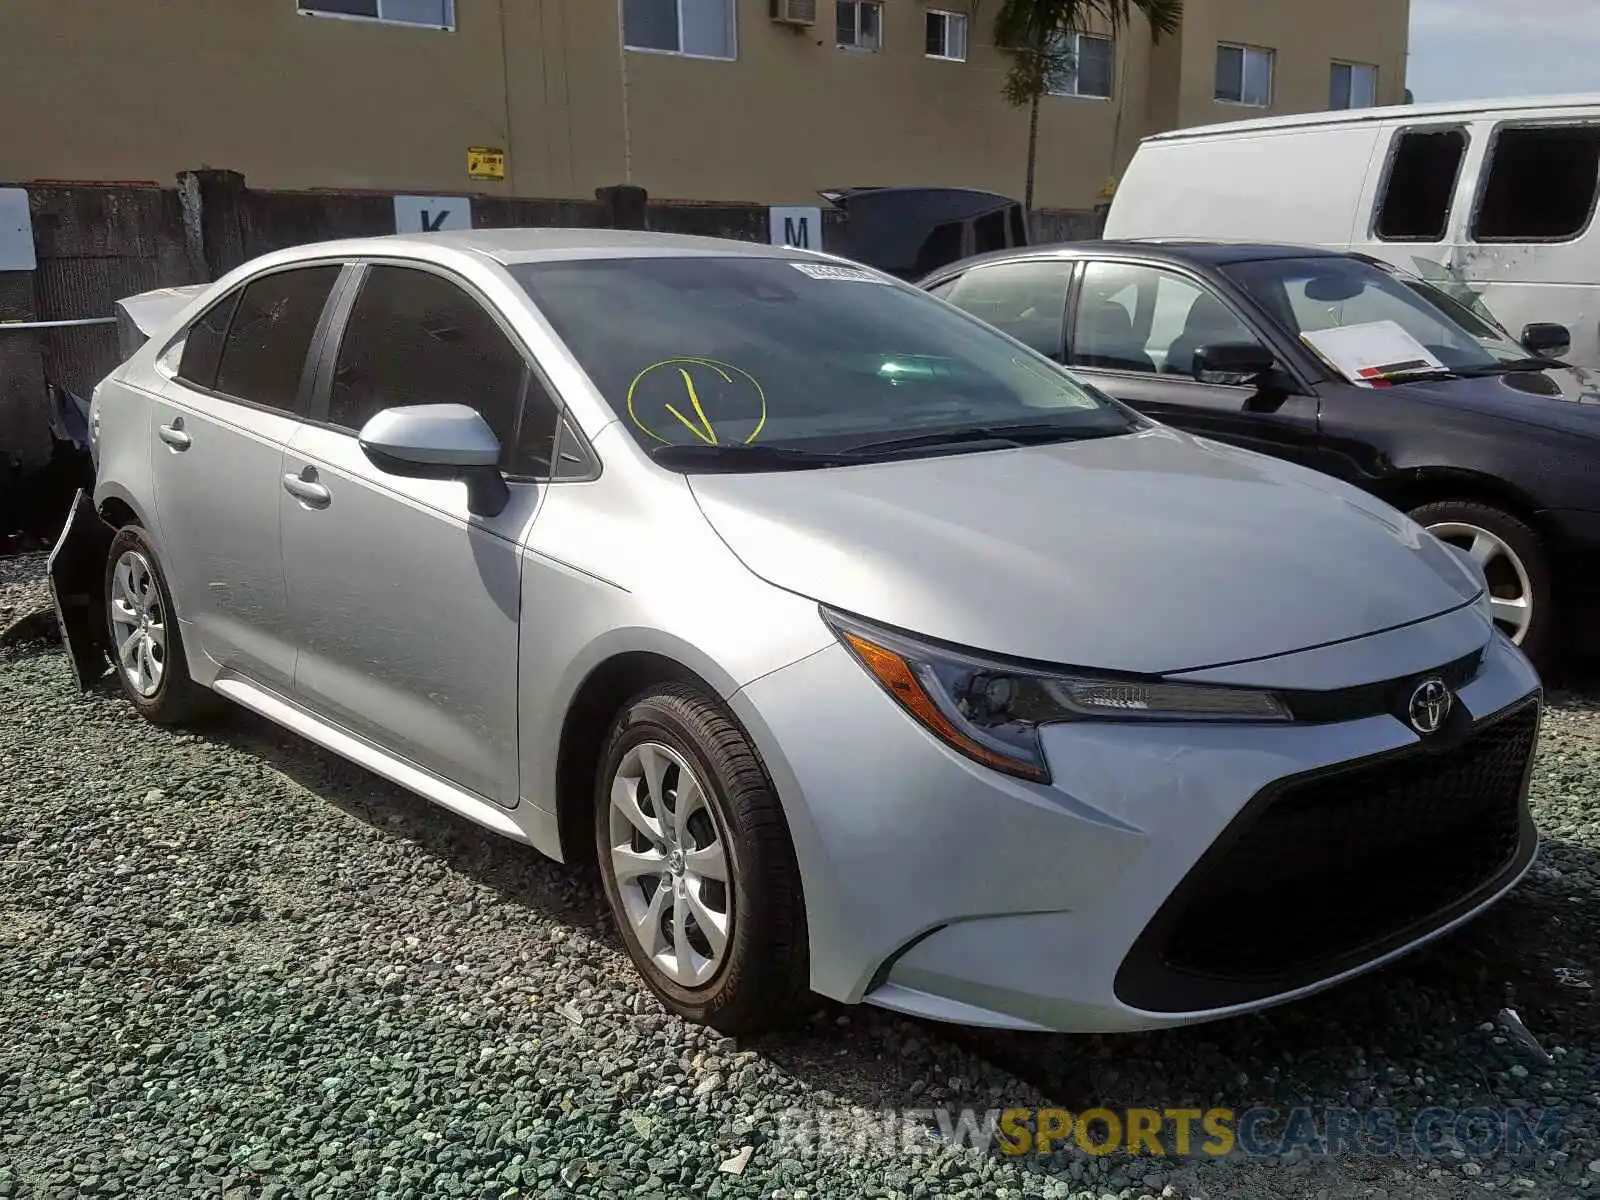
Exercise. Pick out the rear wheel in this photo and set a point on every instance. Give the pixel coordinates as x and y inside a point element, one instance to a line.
<point>697,864</point>
<point>1513,559</point>
<point>146,645</point>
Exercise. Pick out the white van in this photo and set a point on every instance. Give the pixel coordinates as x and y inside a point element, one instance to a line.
<point>1494,203</point>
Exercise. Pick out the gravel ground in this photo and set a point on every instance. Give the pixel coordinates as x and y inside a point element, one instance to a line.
<point>232,964</point>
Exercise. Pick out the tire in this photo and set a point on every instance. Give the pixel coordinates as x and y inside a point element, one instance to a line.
<point>174,698</point>
<point>757,980</point>
<point>1517,563</point>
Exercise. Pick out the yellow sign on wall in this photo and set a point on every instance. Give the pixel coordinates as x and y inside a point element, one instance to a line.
<point>486,162</point>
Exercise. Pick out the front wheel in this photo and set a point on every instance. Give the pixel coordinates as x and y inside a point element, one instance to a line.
<point>1515,563</point>
<point>698,865</point>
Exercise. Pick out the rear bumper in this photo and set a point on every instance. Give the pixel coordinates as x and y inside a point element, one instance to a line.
<point>937,887</point>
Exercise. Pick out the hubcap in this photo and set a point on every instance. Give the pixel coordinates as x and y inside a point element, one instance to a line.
<point>138,623</point>
<point>1510,593</point>
<point>670,863</point>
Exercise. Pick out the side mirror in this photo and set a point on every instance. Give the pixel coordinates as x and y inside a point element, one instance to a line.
<point>1546,340</point>
<point>439,441</point>
<point>1232,362</point>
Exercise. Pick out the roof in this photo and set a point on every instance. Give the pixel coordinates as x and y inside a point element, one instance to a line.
<point>1175,250</point>
<point>1394,112</point>
<point>531,245</point>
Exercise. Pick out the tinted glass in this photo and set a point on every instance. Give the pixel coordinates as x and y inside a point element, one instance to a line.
<point>1230,73</point>
<point>650,24</point>
<point>989,232</point>
<point>1422,180</point>
<point>1295,292</point>
<point>1541,184</point>
<point>265,352</point>
<point>1028,300</point>
<point>202,346</point>
<point>1096,66</point>
<point>719,351</point>
<point>1137,318</point>
<point>417,338</point>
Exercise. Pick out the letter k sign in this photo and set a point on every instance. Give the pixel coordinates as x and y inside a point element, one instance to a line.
<point>431,214</point>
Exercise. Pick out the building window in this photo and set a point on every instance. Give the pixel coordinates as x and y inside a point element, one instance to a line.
<point>1087,68</point>
<point>1355,85</point>
<point>1244,75</point>
<point>1540,184</point>
<point>947,36</point>
<point>860,24</point>
<point>434,14</point>
<point>697,28</point>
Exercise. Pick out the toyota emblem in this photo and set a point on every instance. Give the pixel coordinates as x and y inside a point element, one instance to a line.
<point>1429,706</point>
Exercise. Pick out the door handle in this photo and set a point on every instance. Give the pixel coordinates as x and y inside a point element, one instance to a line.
<point>307,490</point>
<point>174,436</point>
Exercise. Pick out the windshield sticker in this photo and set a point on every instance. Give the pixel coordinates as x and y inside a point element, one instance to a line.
<point>715,403</point>
<point>1372,354</point>
<point>842,274</point>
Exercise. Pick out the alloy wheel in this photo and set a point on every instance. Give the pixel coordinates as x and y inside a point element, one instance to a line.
<point>1511,595</point>
<point>671,863</point>
<point>138,623</point>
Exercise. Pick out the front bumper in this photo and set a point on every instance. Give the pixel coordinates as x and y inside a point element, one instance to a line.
<point>937,887</point>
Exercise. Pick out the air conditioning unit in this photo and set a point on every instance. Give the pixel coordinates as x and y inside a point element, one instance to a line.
<point>794,12</point>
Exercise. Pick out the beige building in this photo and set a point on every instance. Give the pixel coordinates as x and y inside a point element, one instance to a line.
<point>764,101</point>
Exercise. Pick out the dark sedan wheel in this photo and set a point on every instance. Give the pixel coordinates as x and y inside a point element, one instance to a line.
<point>697,863</point>
<point>1513,558</point>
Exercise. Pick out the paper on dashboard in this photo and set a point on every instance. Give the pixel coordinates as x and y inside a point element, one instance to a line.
<point>1372,353</point>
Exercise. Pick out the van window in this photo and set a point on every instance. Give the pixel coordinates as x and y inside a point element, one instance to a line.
<point>1540,185</point>
<point>1415,206</point>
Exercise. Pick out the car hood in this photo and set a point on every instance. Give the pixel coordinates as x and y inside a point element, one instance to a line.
<point>1152,552</point>
<point>1558,398</point>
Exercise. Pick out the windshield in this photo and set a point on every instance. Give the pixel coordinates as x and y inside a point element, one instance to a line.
<point>776,353</point>
<point>1309,295</point>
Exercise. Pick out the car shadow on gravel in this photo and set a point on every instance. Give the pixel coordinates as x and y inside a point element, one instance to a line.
<point>1414,1034</point>
<point>517,873</point>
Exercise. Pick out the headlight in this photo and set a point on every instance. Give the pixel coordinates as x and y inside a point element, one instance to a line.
<point>991,710</point>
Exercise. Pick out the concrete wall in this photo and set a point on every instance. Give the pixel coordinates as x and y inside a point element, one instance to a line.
<point>113,90</point>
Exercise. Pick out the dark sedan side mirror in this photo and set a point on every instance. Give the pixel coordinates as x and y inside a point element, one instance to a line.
<point>1232,362</point>
<point>439,441</point>
<point>1546,340</point>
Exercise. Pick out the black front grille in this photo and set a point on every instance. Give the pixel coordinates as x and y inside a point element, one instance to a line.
<point>1323,872</point>
<point>1372,699</point>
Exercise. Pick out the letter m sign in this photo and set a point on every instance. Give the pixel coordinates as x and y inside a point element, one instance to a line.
<point>796,226</point>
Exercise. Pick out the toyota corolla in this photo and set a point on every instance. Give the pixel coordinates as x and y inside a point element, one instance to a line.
<point>869,652</point>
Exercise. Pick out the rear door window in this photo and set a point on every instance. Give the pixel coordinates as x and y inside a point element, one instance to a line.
<point>1424,166</point>
<point>264,354</point>
<point>1539,185</point>
<point>1028,300</point>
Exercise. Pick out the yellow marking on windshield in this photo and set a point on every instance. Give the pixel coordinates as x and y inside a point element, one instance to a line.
<point>702,427</point>
<point>709,435</point>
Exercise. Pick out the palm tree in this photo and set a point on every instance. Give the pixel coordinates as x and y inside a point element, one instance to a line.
<point>1033,33</point>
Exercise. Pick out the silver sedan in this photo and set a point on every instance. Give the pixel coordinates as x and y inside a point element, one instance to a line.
<point>869,652</point>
